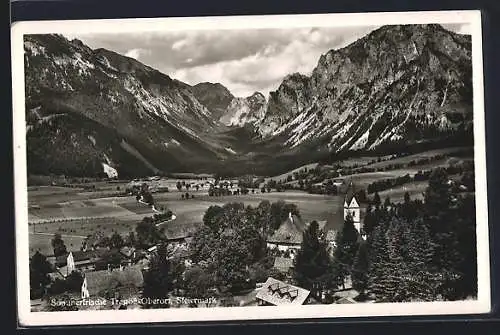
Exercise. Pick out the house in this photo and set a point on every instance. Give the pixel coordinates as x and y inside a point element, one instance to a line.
<point>79,260</point>
<point>179,233</point>
<point>126,279</point>
<point>128,252</point>
<point>283,264</point>
<point>277,293</point>
<point>288,236</point>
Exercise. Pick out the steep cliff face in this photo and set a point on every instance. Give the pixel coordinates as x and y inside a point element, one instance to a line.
<point>397,85</point>
<point>242,111</point>
<point>214,96</point>
<point>86,108</point>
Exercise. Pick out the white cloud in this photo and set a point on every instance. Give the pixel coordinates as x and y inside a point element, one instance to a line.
<point>136,53</point>
<point>178,45</point>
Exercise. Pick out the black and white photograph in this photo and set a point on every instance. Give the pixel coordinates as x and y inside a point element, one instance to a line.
<point>250,167</point>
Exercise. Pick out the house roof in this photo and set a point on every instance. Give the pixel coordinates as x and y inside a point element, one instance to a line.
<point>127,251</point>
<point>101,280</point>
<point>290,231</point>
<point>279,293</point>
<point>178,231</point>
<point>283,263</point>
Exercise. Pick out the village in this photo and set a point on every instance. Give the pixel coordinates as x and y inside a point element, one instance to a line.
<point>112,273</point>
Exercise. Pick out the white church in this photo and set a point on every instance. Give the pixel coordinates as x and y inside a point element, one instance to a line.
<point>352,207</point>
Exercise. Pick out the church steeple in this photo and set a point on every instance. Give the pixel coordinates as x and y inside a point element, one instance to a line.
<point>350,194</point>
<point>351,206</point>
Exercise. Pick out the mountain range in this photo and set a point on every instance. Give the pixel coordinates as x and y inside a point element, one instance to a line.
<point>93,110</point>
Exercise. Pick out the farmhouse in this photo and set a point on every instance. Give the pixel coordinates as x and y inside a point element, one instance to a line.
<point>79,260</point>
<point>277,293</point>
<point>288,236</point>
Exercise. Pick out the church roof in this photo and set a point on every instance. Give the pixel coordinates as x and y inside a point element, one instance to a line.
<point>350,194</point>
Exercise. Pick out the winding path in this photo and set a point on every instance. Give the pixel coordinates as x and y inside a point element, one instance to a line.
<point>167,221</point>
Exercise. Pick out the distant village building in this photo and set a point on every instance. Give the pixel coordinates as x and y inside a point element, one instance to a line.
<point>79,260</point>
<point>277,293</point>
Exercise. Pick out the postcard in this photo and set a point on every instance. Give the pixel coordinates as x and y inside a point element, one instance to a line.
<point>250,168</point>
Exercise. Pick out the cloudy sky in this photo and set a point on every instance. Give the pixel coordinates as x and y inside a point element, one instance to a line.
<point>244,61</point>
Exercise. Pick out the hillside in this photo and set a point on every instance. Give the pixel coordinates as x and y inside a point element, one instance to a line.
<point>97,106</point>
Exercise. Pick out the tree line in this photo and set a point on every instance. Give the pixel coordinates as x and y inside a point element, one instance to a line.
<point>413,251</point>
<point>466,171</point>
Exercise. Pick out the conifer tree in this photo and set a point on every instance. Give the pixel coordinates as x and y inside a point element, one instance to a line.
<point>376,200</point>
<point>39,274</point>
<point>370,220</point>
<point>312,263</point>
<point>58,245</point>
<point>359,273</point>
<point>424,280</point>
<point>378,260</point>
<point>443,222</point>
<point>347,246</point>
<point>158,280</point>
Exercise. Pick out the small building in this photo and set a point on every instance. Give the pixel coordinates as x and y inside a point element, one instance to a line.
<point>128,252</point>
<point>79,260</point>
<point>283,264</point>
<point>277,293</point>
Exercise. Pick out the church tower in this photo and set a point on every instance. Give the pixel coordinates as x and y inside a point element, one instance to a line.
<point>351,206</point>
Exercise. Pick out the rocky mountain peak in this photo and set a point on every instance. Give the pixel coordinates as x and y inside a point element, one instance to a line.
<point>215,96</point>
<point>372,91</point>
